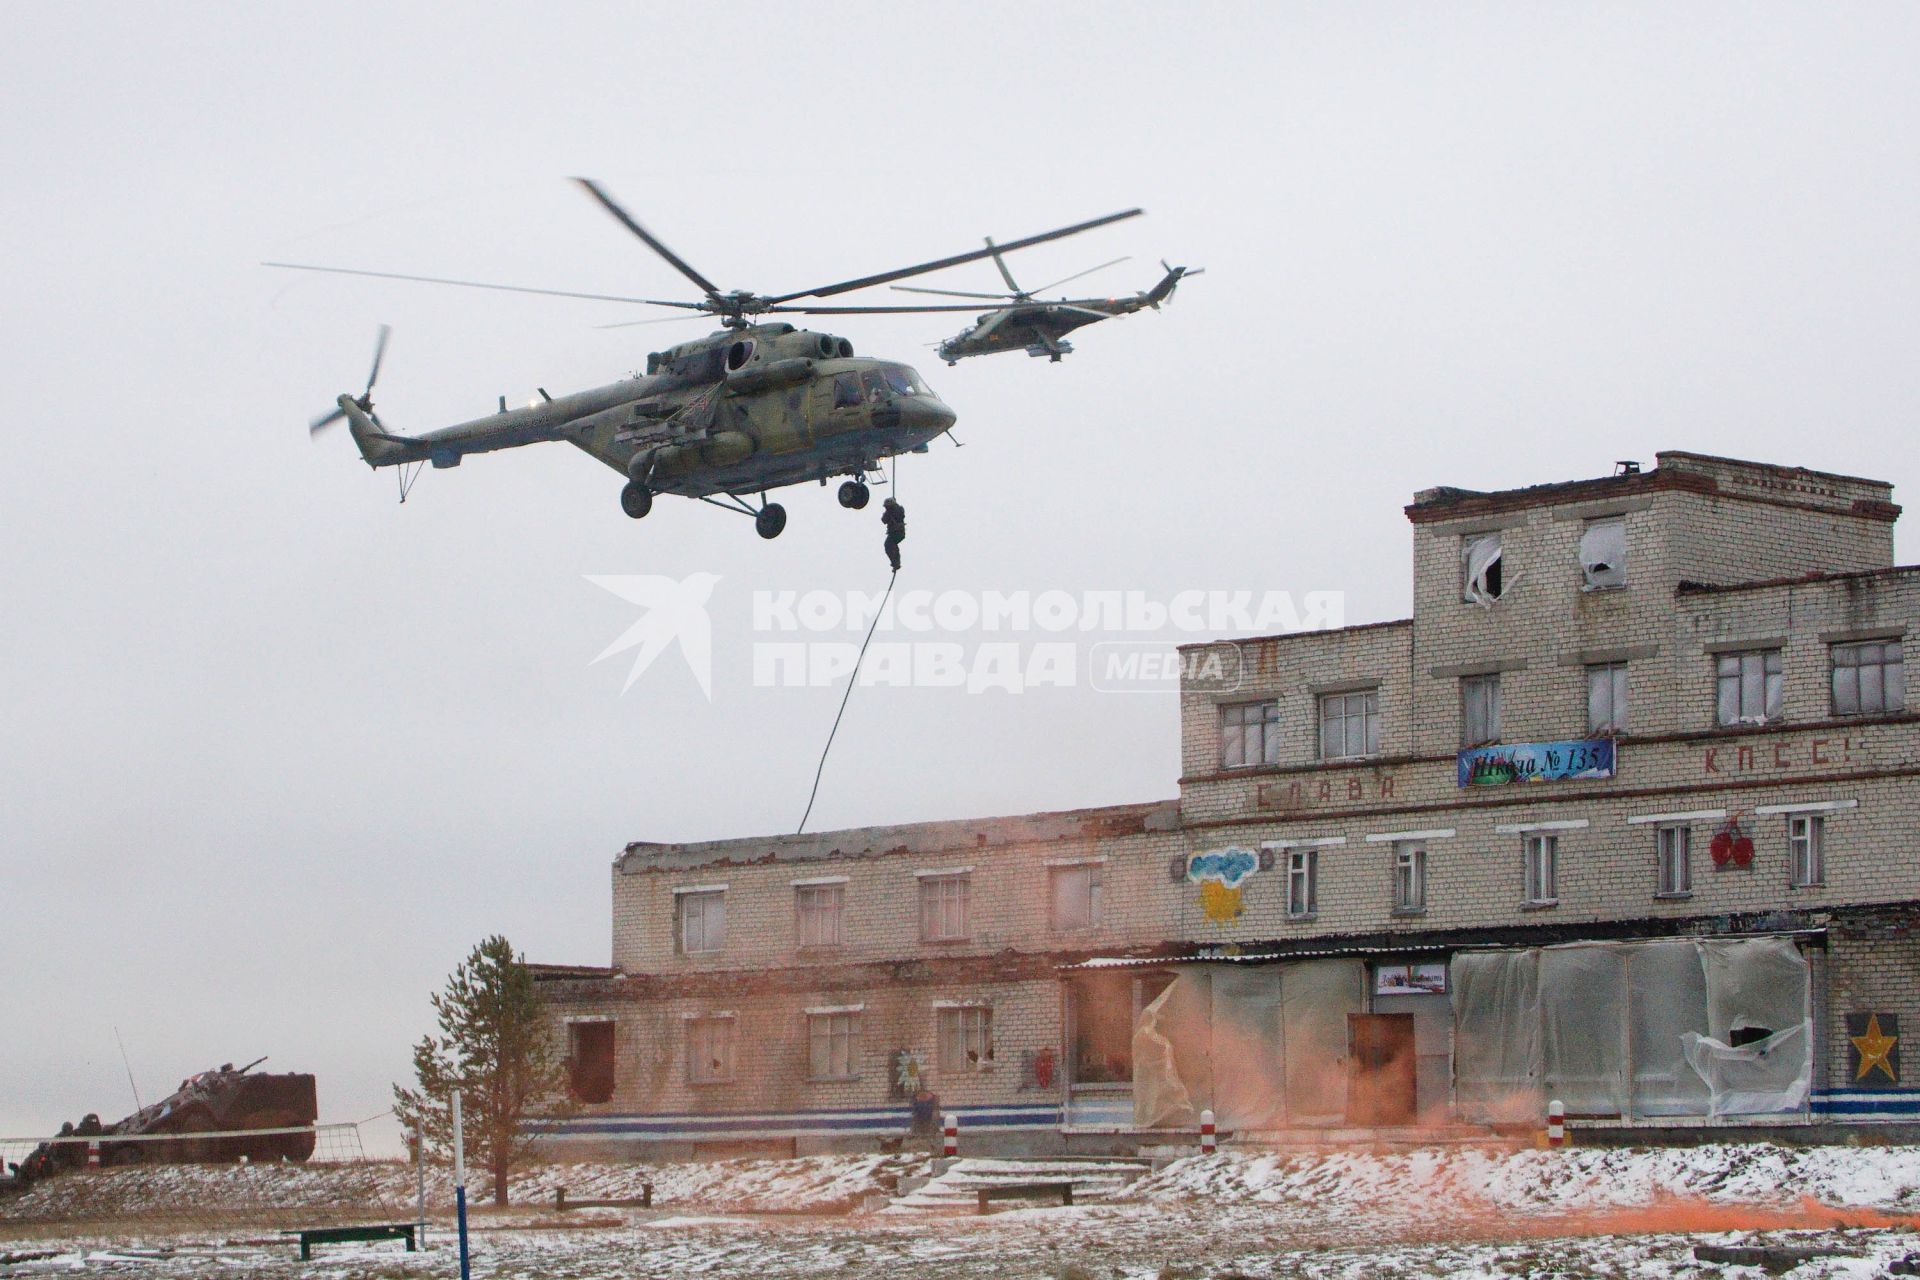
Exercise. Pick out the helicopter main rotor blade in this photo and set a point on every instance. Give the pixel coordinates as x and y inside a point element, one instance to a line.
<point>480,284</point>
<point>949,293</point>
<point>647,237</point>
<point>1001,263</point>
<point>628,324</point>
<point>881,311</point>
<point>1076,275</point>
<point>884,277</point>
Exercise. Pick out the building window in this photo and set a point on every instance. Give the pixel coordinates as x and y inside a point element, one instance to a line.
<point>833,1045</point>
<point>1249,734</point>
<point>819,914</point>
<point>1074,893</point>
<point>943,908</point>
<point>966,1037</point>
<point>1409,878</point>
<point>1806,849</point>
<point>590,1060</point>
<point>1674,848</point>
<point>1541,855</point>
<point>1481,579</point>
<point>1749,687</point>
<point>1479,710</point>
<point>1603,554</point>
<point>1303,882</point>
<point>701,921</point>
<point>1607,698</point>
<point>1869,679</point>
<point>709,1050</point>
<point>1350,724</point>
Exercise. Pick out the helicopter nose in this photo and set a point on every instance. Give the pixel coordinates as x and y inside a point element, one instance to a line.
<point>924,413</point>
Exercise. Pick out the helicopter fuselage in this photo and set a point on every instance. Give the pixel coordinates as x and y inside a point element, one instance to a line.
<point>739,412</point>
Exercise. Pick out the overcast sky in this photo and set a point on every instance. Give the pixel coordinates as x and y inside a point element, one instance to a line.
<point>278,749</point>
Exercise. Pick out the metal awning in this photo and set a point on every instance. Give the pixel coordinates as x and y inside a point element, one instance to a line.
<point>1388,949</point>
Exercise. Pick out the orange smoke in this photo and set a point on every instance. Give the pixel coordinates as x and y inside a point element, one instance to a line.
<point>1672,1215</point>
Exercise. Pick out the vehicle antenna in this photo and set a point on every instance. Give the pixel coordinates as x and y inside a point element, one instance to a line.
<point>128,1064</point>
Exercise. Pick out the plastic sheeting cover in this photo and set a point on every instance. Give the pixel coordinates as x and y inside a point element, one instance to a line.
<point>1583,1034</point>
<point>1249,1050</point>
<point>1666,1001</point>
<point>1761,1078</point>
<point>1172,1077</point>
<point>1316,998</point>
<point>1603,553</point>
<point>1496,1048</point>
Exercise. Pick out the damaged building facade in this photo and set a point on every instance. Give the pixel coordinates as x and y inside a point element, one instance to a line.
<point>1619,817</point>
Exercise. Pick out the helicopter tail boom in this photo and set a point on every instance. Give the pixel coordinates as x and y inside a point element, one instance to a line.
<point>1164,290</point>
<point>378,448</point>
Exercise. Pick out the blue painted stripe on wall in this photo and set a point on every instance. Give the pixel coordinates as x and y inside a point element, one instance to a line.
<point>790,1124</point>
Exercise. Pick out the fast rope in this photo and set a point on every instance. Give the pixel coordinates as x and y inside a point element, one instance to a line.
<point>852,680</point>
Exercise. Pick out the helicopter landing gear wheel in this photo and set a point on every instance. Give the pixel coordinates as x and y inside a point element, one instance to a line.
<point>770,520</point>
<point>636,499</point>
<point>854,495</point>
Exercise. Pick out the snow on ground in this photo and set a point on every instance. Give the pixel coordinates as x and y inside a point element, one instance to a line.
<point>1418,1215</point>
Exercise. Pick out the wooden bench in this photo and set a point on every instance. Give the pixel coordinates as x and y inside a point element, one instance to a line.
<point>311,1236</point>
<point>1024,1191</point>
<point>561,1203</point>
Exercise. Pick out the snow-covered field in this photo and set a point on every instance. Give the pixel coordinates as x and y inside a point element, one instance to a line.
<point>1432,1213</point>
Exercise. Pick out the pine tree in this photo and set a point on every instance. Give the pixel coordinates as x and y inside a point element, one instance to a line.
<point>496,1048</point>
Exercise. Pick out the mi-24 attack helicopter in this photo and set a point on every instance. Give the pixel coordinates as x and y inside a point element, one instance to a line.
<point>1037,326</point>
<point>755,406</point>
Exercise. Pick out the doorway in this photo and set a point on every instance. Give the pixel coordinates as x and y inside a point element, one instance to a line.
<point>1382,1081</point>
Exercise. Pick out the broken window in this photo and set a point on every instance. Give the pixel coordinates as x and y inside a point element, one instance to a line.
<point>1479,710</point>
<point>833,1045</point>
<point>1749,687</point>
<point>590,1060</point>
<point>1607,698</point>
<point>1673,847</point>
<point>710,1049</point>
<point>1409,877</point>
<point>1249,734</point>
<point>1806,849</point>
<point>966,1037</point>
<point>1603,554</point>
<point>700,923</point>
<point>1350,724</point>
<point>819,914</point>
<point>1869,679</point>
<point>1541,854</point>
<point>1303,882</point>
<point>943,908</point>
<point>1481,578</point>
<point>1074,893</point>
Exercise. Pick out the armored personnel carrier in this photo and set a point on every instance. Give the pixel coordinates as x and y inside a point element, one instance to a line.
<point>218,1101</point>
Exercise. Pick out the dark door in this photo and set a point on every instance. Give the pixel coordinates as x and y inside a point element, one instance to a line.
<point>1380,1069</point>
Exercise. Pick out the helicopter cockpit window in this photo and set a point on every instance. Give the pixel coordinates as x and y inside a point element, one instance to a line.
<point>903,381</point>
<point>846,391</point>
<point>876,384</point>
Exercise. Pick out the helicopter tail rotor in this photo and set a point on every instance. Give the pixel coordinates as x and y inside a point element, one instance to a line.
<point>364,401</point>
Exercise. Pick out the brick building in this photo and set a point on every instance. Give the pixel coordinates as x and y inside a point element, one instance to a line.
<point>1619,817</point>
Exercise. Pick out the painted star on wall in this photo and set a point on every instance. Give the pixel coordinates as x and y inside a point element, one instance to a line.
<point>1876,1049</point>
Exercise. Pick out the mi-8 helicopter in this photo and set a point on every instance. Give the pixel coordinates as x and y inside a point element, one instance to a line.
<point>1038,326</point>
<point>756,406</point>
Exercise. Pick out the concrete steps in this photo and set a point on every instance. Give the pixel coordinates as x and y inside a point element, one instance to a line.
<point>954,1188</point>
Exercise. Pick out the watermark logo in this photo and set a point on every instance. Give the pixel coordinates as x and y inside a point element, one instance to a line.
<point>675,611</point>
<point>1013,641</point>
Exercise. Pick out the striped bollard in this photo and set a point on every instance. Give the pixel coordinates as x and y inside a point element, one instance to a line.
<point>951,1130</point>
<point>93,1155</point>
<point>1209,1138</point>
<point>1556,1123</point>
